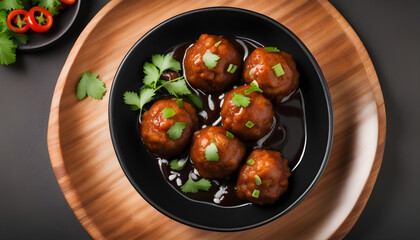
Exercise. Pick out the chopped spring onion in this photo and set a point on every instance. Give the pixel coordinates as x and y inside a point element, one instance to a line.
<point>232,68</point>
<point>249,124</point>
<point>278,70</point>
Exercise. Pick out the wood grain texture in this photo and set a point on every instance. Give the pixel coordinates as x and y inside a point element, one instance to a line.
<point>109,207</point>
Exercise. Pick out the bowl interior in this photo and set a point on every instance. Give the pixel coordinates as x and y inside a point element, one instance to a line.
<point>144,173</point>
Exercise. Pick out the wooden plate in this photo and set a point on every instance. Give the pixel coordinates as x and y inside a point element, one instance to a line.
<point>108,206</point>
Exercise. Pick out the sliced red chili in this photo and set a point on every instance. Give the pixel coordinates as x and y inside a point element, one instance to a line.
<point>17,21</point>
<point>68,2</point>
<point>40,19</point>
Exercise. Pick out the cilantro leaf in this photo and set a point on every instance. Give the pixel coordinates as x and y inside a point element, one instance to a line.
<point>210,59</point>
<point>178,87</point>
<point>146,96</point>
<point>151,74</point>
<point>212,153</point>
<point>192,187</point>
<point>240,100</point>
<point>20,37</point>
<point>50,5</point>
<point>178,165</point>
<point>196,100</point>
<point>179,102</point>
<point>132,99</point>
<point>10,4</point>
<point>166,62</point>
<point>7,50</point>
<point>3,21</point>
<point>168,112</point>
<point>175,131</point>
<point>90,85</point>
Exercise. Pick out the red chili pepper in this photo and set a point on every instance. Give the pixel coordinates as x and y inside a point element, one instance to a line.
<point>36,23</point>
<point>17,21</point>
<point>68,2</point>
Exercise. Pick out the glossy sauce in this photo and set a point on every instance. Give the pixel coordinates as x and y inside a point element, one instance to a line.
<point>287,134</point>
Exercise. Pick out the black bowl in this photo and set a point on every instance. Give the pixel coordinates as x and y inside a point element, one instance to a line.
<point>61,24</point>
<point>144,173</point>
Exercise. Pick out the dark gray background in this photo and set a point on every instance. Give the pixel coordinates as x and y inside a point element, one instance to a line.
<point>31,202</point>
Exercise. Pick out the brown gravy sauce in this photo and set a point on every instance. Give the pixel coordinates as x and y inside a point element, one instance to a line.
<point>287,134</point>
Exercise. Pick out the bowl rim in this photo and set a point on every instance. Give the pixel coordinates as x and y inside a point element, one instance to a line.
<point>327,97</point>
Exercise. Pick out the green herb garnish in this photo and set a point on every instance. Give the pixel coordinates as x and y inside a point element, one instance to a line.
<point>179,102</point>
<point>229,134</point>
<point>175,131</point>
<point>210,59</point>
<point>212,153</point>
<point>192,187</point>
<point>251,72</point>
<point>278,70</point>
<point>232,68</point>
<point>288,169</point>
<point>50,5</point>
<point>250,162</point>
<point>256,193</point>
<point>240,100</point>
<point>218,43</point>
<point>152,84</point>
<point>257,180</point>
<point>11,4</point>
<point>254,88</point>
<point>249,124</point>
<point>272,49</point>
<point>90,85</point>
<point>7,49</point>
<point>178,165</point>
<point>168,112</point>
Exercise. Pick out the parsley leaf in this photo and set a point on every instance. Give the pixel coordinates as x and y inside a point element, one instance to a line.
<point>240,100</point>
<point>151,74</point>
<point>175,131</point>
<point>7,50</point>
<point>50,5</point>
<point>210,59</point>
<point>196,100</point>
<point>132,99</point>
<point>168,112</point>
<point>192,187</point>
<point>177,87</point>
<point>178,165</point>
<point>10,4</point>
<point>90,85</point>
<point>212,153</point>
<point>166,62</point>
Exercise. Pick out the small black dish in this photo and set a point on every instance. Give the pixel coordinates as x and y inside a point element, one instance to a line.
<point>144,173</point>
<point>61,24</point>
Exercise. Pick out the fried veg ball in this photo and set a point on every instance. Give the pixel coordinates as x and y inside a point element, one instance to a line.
<point>264,178</point>
<point>238,120</point>
<point>259,67</point>
<point>155,126</point>
<point>230,151</point>
<point>211,79</point>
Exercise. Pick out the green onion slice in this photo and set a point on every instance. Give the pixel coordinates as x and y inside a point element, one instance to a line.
<point>278,70</point>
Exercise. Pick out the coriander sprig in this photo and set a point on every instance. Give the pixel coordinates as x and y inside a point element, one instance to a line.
<point>152,85</point>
